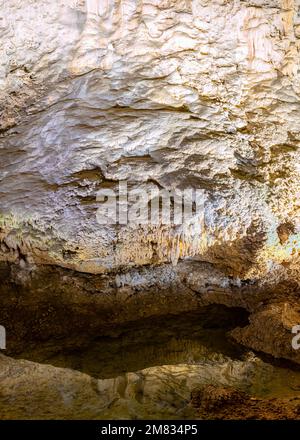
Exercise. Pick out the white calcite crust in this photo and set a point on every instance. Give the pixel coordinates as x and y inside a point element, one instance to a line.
<point>164,94</point>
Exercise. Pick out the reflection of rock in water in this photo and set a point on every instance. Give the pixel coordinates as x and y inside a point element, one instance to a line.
<point>154,393</point>
<point>175,339</point>
<point>147,369</point>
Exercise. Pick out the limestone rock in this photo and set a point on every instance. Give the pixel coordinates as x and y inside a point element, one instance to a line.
<point>161,94</point>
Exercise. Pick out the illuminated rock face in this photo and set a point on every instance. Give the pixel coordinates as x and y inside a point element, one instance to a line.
<point>163,94</point>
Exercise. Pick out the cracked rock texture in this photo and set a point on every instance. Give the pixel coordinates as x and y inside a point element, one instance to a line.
<point>163,94</point>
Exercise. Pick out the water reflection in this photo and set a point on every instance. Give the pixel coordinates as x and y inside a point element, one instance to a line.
<point>174,353</point>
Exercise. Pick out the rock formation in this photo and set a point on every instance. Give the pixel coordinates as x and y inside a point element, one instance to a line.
<point>162,94</point>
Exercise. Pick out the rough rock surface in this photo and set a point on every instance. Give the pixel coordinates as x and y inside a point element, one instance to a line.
<point>220,403</point>
<point>162,94</point>
<point>162,392</point>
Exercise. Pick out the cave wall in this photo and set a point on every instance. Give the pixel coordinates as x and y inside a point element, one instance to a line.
<point>162,94</point>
